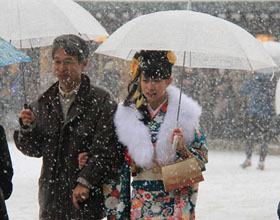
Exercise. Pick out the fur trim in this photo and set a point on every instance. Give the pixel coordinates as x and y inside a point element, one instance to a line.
<point>135,135</point>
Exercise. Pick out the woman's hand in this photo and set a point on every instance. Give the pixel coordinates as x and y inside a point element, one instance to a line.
<point>82,158</point>
<point>180,147</point>
<point>180,141</point>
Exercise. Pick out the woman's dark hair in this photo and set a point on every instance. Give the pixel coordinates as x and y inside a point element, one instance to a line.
<point>153,64</point>
<point>132,87</point>
<point>73,45</point>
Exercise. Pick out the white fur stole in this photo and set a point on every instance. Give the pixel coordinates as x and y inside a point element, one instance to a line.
<point>136,136</point>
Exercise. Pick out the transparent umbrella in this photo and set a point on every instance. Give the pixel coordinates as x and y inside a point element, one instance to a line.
<point>35,23</point>
<point>273,48</point>
<point>198,39</point>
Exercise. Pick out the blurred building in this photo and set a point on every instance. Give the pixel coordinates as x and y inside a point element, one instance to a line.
<point>256,16</point>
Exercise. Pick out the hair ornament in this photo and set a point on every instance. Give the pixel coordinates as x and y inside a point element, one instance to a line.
<point>136,94</point>
<point>140,101</point>
<point>171,57</point>
<point>134,68</point>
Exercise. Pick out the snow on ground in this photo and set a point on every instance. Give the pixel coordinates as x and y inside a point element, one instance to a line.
<point>228,192</point>
<point>23,205</point>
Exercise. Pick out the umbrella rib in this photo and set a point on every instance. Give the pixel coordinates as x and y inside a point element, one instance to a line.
<point>76,27</point>
<point>30,43</point>
<point>19,26</point>
<point>252,70</point>
<point>131,30</point>
<point>128,55</point>
<point>190,59</point>
<point>85,36</point>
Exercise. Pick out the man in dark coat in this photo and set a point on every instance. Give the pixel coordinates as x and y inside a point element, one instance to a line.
<point>71,117</point>
<point>6,174</point>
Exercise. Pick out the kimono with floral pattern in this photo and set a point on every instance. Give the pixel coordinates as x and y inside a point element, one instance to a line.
<point>145,198</point>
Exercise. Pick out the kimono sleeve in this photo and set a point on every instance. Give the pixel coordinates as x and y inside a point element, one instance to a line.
<point>199,147</point>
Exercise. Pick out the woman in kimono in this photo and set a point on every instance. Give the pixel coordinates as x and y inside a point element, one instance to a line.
<point>146,125</point>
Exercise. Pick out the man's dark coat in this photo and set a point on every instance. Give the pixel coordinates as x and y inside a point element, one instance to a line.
<point>88,127</point>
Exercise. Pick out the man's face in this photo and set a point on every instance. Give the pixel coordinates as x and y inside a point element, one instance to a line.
<point>67,69</point>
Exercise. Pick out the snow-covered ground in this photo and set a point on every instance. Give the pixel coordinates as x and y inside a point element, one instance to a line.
<point>228,192</point>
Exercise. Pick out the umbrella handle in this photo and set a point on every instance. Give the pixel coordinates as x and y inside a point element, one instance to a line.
<point>175,140</point>
<point>173,148</point>
<point>20,119</point>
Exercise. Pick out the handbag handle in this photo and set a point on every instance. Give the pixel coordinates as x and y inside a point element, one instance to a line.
<point>189,154</point>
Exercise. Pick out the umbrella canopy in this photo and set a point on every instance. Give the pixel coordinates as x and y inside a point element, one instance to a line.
<point>273,48</point>
<point>9,54</point>
<point>35,23</point>
<point>199,39</point>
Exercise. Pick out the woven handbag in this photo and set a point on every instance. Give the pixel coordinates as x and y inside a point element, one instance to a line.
<point>182,173</point>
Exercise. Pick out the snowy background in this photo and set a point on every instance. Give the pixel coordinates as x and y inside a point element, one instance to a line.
<point>228,192</point>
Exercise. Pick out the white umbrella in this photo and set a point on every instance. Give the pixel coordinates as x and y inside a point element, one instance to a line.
<point>204,40</point>
<point>35,23</point>
<point>273,48</point>
<point>199,40</point>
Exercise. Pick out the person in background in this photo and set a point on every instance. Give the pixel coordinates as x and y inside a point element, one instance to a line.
<point>145,123</point>
<point>261,114</point>
<point>6,174</point>
<point>110,77</point>
<point>224,108</point>
<point>278,210</point>
<point>71,117</point>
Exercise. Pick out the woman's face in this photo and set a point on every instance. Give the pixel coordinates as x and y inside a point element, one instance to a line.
<point>154,89</point>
